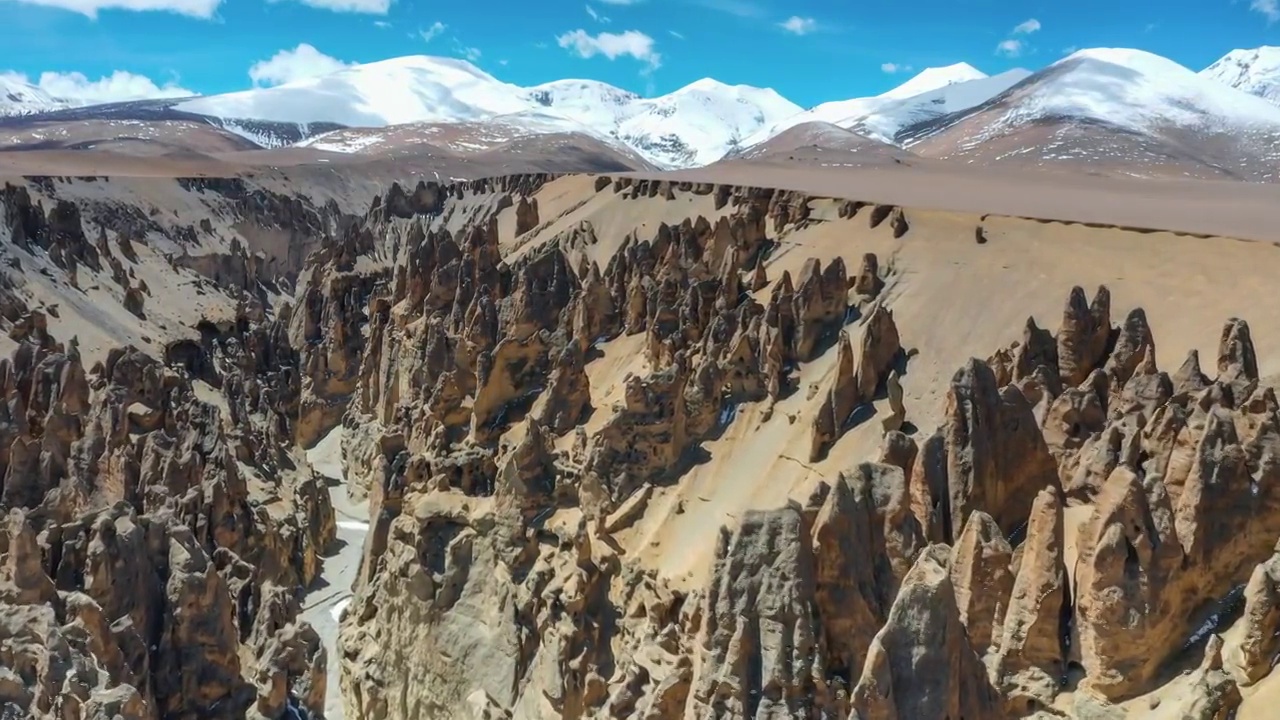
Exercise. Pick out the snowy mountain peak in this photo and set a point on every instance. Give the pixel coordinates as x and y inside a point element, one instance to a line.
<point>1135,90</point>
<point>19,97</point>
<point>416,88</point>
<point>929,95</point>
<point>934,78</point>
<point>1140,61</point>
<point>708,85</point>
<point>697,124</point>
<point>741,93</point>
<point>423,63</point>
<point>1255,71</point>
<point>573,90</point>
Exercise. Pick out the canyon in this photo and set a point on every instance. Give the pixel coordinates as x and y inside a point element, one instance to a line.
<point>630,445</point>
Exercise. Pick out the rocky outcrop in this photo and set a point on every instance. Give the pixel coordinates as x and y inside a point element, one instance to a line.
<point>1031,657</point>
<point>1083,337</point>
<point>982,581</point>
<point>858,379</point>
<point>1213,693</point>
<point>472,418</point>
<point>920,664</point>
<point>132,549</point>
<point>327,327</point>
<point>990,455</point>
<point>1251,656</point>
<point>568,396</point>
<point>760,607</point>
<point>864,541</point>
<point>58,231</point>
<point>526,215</point>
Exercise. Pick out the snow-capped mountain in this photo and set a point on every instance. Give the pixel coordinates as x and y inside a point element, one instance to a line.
<point>459,137</point>
<point>401,90</point>
<point>931,79</point>
<point>694,125</point>
<point>1098,105</point>
<point>1136,90</point>
<point>591,102</point>
<point>18,97</point>
<point>701,122</point>
<point>929,95</point>
<point>1116,108</point>
<point>1255,71</point>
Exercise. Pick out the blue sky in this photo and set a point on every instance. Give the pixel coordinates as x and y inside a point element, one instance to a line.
<point>809,50</point>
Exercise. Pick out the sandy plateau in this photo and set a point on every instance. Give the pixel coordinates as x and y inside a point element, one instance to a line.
<point>886,438</point>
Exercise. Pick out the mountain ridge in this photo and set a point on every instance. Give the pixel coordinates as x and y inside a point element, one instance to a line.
<point>1115,110</point>
<point>705,120</point>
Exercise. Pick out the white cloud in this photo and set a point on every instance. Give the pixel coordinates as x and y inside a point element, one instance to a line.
<point>1009,48</point>
<point>676,35</point>
<point>631,43</point>
<point>89,8</point>
<point>432,32</point>
<point>1068,50</point>
<point>381,24</point>
<point>119,86</point>
<point>1269,8</point>
<point>1026,28</point>
<point>470,53</point>
<point>371,7</point>
<point>595,15</point>
<point>894,68</point>
<point>797,25</point>
<point>301,62</point>
<point>1012,46</point>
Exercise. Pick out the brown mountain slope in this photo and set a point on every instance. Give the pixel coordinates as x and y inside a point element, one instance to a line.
<point>126,137</point>
<point>822,144</point>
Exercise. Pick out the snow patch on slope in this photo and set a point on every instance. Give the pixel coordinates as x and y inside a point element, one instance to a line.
<point>891,118</point>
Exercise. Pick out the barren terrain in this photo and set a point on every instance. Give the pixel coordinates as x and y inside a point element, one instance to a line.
<point>878,438</point>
